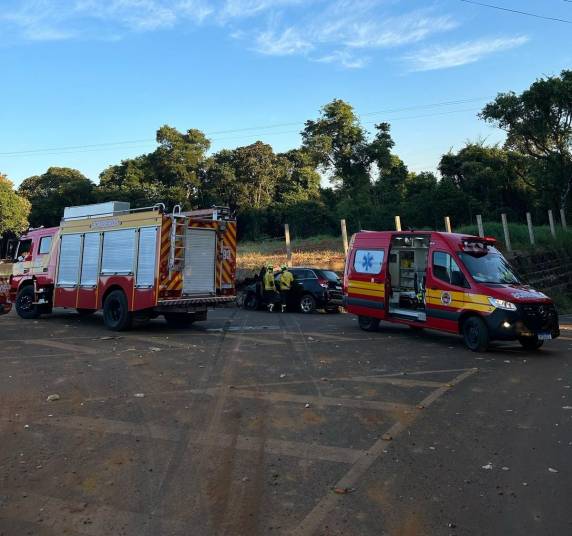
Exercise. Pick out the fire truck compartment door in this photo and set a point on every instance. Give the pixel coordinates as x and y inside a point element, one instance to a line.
<point>200,261</point>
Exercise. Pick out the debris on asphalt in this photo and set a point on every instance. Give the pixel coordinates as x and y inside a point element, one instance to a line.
<point>311,339</point>
<point>307,405</point>
<point>53,398</point>
<point>420,406</point>
<point>488,466</point>
<point>567,407</point>
<point>525,484</point>
<point>324,379</point>
<point>552,470</point>
<point>451,525</point>
<point>343,491</point>
<point>26,426</point>
<point>139,395</point>
<point>505,468</point>
<point>245,479</point>
<point>283,375</point>
<point>387,437</point>
<point>154,349</point>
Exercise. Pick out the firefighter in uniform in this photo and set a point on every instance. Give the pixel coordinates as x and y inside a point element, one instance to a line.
<point>269,288</point>
<point>286,279</point>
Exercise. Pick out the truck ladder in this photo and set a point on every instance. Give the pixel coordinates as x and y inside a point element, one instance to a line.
<point>178,236</point>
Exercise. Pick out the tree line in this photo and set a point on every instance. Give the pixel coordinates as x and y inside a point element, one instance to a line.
<point>370,184</point>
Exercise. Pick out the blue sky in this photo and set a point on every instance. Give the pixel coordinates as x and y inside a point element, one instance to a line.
<point>86,83</point>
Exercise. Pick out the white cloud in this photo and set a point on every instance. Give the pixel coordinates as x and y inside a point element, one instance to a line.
<point>345,59</point>
<point>445,57</point>
<point>284,43</point>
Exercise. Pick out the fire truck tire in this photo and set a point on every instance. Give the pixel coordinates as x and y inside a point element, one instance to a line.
<point>530,343</point>
<point>85,312</point>
<point>367,323</point>
<point>116,315</point>
<point>25,303</point>
<point>476,334</point>
<point>179,320</point>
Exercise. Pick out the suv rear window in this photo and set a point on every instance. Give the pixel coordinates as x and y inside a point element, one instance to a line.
<point>329,275</point>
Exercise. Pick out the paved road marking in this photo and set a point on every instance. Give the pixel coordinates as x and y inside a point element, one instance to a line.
<point>313,521</point>
<point>316,400</point>
<point>65,516</point>
<point>295,449</point>
<point>62,346</point>
<point>401,382</point>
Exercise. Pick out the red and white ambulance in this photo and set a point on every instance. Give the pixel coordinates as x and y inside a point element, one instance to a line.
<point>134,264</point>
<point>444,281</point>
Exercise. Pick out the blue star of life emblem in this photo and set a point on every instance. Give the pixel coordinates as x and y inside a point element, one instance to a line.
<point>367,261</point>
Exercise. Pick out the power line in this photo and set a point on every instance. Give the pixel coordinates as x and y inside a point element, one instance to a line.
<point>93,147</point>
<point>517,11</point>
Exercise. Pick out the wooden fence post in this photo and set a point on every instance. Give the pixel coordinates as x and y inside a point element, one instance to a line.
<point>344,236</point>
<point>288,247</point>
<point>397,223</point>
<point>506,233</point>
<point>448,224</point>
<point>480,226</point>
<point>530,229</point>
<point>563,218</point>
<point>551,222</point>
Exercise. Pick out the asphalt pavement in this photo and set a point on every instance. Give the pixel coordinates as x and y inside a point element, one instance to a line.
<point>255,423</point>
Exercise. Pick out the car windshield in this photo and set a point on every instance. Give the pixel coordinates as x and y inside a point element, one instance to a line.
<point>329,275</point>
<point>490,268</point>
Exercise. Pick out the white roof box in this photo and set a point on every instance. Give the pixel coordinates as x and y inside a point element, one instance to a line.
<point>96,210</point>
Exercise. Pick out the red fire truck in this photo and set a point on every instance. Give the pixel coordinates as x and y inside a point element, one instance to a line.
<point>445,281</point>
<point>5,305</point>
<point>134,264</point>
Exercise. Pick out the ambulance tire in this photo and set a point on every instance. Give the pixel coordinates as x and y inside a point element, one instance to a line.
<point>179,320</point>
<point>25,306</point>
<point>476,334</point>
<point>367,323</point>
<point>530,343</point>
<point>116,315</point>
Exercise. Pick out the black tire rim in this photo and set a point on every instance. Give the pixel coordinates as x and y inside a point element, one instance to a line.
<point>26,303</point>
<point>115,310</point>
<point>472,333</point>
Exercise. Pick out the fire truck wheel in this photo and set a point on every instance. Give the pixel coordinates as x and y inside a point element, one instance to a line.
<point>179,320</point>
<point>530,343</point>
<point>367,323</point>
<point>116,315</point>
<point>25,306</point>
<point>85,312</point>
<point>476,334</point>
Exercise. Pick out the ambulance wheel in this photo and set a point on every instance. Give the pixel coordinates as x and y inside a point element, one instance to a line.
<point>179,320</point>
<point>307,304</point>
<point>116,315</point>
<point>530,343</point>
<point>367,323</point>
<point>475,334</point>
<point>25,306</point>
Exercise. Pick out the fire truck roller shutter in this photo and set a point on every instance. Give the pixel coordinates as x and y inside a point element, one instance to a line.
<point>146,261</point>
<point>200,261</point>
<point>70,250</point>
<point>118,252</point>
<point>90,260</point>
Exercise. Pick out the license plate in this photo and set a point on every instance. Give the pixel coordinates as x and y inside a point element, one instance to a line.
<point>544,336</point>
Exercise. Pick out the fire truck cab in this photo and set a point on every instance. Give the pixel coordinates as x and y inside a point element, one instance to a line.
<point>134,264</point>
<point>444,281</point>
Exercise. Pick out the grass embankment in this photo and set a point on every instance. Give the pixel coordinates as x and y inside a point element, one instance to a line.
<point>519,237</point>
<point>319,251</point>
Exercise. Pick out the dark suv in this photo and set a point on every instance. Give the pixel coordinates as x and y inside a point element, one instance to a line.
<point>312,289</point>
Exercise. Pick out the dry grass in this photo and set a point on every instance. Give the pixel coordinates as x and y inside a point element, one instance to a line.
<point>319,251</point>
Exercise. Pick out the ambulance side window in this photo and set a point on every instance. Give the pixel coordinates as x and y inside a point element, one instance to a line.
<point>368,261</point>
<point>446,269</point>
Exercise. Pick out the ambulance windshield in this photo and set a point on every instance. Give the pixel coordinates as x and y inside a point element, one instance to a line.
<point>490,268</point>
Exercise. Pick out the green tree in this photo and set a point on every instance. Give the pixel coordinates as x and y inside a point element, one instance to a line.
<point>300,181</point>
<point>14,209</point>
<point>495,179</point>
<point>538,123</point>
<point>51,192</point>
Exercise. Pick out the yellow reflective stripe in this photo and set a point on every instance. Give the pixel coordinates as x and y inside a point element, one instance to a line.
<point>363,292</point>
<point>366,285</point>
